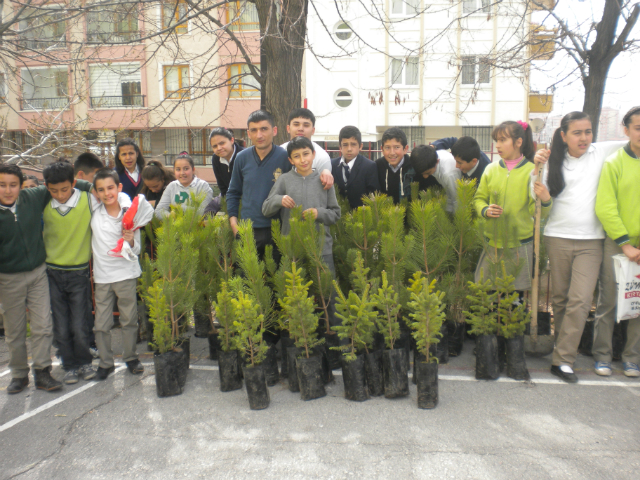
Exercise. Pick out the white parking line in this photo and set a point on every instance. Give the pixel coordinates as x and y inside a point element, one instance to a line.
<point>52,403</point>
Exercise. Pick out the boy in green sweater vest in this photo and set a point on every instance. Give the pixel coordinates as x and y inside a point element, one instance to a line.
<point>67,242</point>
<point>617,208</point>
<point>23,279</point>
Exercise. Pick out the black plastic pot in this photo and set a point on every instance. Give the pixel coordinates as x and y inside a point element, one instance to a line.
<point>270,364</point>
<point>456,332</point>
<point>353,376</point>
<point>419,357</point>
<point>442,347</point>
<point>502,352</point>
<point>395,373</point>
<point>373,373</point>
<point>405,343</point>
<point>229,368</point>
<point>333,356</point>
<point>516,364</point>
<point>310,380</point>
<point>214,346</point>
<point>427,374</point>
<point>327,374</point>
<point>170,373</point>
<point>285,343</point>
<point>487,367</point>
<point>185,344</point>
<point>544,324</point>
<point>202,324</point>
<point>256,383</point>
<point>292,354</point>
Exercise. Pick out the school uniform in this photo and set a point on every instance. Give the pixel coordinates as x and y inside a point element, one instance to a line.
<point>395,181</point>
<point>131,182</point>
<point>476,172</point>
<point>222,169</point>
<point>355,179</point>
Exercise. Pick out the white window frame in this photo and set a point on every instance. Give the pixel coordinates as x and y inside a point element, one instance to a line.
<point>477,67</point>
<point>138,66</point>
<point>31,69</point>
<point>335,97</point>
<point>349,31</point>
<point>407,5</point>
<point>482,7</point>
<point>404,73</point>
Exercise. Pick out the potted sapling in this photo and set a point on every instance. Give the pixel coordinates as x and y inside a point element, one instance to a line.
<point>483,318</point>
<point>248,327</point>
<point>357,312</point>
<point>513,322</point>
<point>168,359</point>
<point>428,316</point>
<point>388,323</point>
<point>298,309</point>
<point>228,359</point>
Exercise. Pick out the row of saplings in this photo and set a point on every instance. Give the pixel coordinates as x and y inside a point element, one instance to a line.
<point>201,268</point>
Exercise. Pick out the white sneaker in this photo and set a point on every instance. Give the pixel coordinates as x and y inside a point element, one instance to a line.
<point>87,372</point>
<point>603,368</point>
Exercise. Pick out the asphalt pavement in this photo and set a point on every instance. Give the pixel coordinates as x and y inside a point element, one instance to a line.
<point>119,428</point>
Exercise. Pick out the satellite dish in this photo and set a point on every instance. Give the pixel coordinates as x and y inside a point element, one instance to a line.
<point>537,124</point>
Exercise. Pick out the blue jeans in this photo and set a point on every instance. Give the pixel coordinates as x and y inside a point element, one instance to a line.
<point>70,293</point>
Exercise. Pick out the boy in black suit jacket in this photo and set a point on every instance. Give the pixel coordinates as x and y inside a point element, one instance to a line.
<point>355,175</point>
<point>470,159</point>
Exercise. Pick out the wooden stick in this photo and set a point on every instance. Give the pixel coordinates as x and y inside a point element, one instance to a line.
<point>533,327</point>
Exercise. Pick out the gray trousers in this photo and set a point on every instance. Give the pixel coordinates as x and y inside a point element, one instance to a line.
<point>106,295</point>
<point>574,267</point>
<point>19,291</point>
<point>606,313</point>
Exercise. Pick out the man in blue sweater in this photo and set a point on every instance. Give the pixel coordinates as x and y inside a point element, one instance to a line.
<point>255,171</point>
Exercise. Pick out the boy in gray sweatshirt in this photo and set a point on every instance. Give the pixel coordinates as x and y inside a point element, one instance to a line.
<point>302,186</point>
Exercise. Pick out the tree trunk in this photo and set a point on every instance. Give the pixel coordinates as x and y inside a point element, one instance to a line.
<point>283,41</point>
<point>594,86</point>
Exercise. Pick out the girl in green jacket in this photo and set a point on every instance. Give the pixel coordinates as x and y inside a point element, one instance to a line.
<point>504,200</point>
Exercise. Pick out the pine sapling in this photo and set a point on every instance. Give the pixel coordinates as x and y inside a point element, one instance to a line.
<point>388,305</point>
<point>156,301</point>
<point>395,248</point>
<point>482,314</point>
<point>358,319</point>
<point>427,314</point>
<point>249,329</point>
<point>225,313</point>
<point>299,309</point>
<point>513,314</point>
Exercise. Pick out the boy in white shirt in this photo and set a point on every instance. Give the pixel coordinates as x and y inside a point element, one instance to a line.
<point>426,161</point>
<point>115,277</point>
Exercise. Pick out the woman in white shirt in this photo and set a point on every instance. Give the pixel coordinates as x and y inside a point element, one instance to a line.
<point>573,234</point>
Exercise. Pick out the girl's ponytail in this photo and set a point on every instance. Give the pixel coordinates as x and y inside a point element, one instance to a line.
<point>558,151</point>
<point>527,149</point>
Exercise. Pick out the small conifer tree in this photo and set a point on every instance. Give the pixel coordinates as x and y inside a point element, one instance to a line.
<point>249,329</point>
<point>395,249</point>
<point>358,319</point>
<point>225,312</point>
<point>388,305</point>
<point>482,314</point>
<point>299,309</point>
<point>155,299</point>
<point>427,314</point>
<point>513,315</point>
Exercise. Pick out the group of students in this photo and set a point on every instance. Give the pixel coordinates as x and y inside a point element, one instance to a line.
<point>50,233</point>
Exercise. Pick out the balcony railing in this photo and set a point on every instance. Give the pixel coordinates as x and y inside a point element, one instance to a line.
<point>43,43</point>
<point>56,103</point>
<point>198,158</point>
<point>112,37</point>
<point>117,101</point>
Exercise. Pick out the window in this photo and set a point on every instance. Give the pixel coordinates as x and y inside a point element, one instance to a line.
<point>475,69</point>
<point>45,88</point>
<point>142,139</point>
<point>481,134</point>
<point>476,6</point>
<point>194,142</point>
<point>113,24</point>
<point>242,16</point>
<point>343,31</point>
<point>115,85</point>
<point>174,14</point>
<point>42,28</point>
<point>176,82</point>
<point>343,98</point>
<point>405,7</point>
<point>404,72</point>
<point>243,84</point>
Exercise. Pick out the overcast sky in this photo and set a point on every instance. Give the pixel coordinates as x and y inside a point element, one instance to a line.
<point>623,84</point>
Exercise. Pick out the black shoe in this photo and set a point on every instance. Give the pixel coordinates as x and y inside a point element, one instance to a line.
<point>567,377</point>
<point>1,332</point>
<point>17,385</point>
<point>44,380</point>
<point>135,367</point>
<point>103,373</point>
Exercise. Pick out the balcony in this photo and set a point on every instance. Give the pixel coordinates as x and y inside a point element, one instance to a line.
<point>112,37</point>
<point>55,103</point>
<point>120,101</point>
<point>42,44</point>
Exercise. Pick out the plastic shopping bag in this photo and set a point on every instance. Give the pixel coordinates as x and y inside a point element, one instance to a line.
<point>137,216</point>
<point>628,278</point>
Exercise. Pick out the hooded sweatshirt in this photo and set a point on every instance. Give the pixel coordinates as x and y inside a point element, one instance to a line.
<point>308,192</point>
<point>176,194</point>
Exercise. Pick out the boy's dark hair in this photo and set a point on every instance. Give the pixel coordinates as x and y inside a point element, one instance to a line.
<point>228,134</point>
<point>350,132</point>
<point>87,162</point>
<point>127,141</point>
<point>298,143</point>
<point>260,116</point>
<point>423,158</point>
<point>466,148</point>
<point>32,178</point>
<point>12,170</point>
<point>302,113</point>
<point>184,156</point>
<point>515,130</point>
<point>626,120</point>
<point>58,172</point>
<point>105,173</point>
<point>394,133</point>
